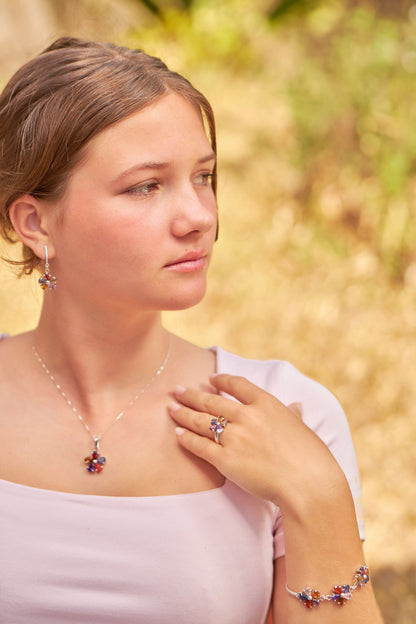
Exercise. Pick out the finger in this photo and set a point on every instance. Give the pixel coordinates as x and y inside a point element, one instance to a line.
<point>207,402</point>
<point>199,446</point>
<point>237,387</point>
<point>198,422</point>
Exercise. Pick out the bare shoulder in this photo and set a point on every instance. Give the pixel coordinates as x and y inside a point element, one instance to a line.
<point>16,371</point>
<point>17,388</point>
<point>196,364</point>
<point>14,352</point>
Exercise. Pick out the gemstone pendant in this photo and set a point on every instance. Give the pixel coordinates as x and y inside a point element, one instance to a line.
<point>47,281</point>
<point>95,462</point>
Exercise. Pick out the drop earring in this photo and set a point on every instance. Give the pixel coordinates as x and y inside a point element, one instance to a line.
<point>47,280</point>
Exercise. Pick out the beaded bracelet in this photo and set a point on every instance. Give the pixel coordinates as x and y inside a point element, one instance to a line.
<point>340,593</point>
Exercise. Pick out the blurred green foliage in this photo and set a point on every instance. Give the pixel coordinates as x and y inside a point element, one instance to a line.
<point>345,74</point>
<point>274,12</point>
<point>352,102</point>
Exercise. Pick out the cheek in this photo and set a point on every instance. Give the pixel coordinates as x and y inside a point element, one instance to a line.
<point>127,247</point>
<point>115,225</point>
<point>213,207</point>
<point>103,245</point>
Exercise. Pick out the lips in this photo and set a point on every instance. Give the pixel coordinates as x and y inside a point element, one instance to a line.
<point>191,261</point>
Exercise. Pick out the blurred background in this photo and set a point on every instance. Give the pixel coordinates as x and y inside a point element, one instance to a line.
<point>316,259</point>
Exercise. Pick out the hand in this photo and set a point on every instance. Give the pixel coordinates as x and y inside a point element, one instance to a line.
<point>265,448</point>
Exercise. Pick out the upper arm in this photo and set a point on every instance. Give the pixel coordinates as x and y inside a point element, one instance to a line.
<point>279,599</point>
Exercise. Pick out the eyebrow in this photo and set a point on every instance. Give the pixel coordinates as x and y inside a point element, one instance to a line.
<point>160,165</point>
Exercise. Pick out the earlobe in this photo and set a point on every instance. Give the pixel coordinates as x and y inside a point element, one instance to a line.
<point>27,217</point>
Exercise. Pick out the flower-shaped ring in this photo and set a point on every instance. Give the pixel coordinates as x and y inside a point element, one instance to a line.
<point>217,426</point>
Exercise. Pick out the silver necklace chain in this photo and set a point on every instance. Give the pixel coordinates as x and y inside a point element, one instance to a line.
<point>120,415</point>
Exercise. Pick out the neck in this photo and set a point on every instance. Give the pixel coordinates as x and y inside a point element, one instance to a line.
<point>100,360</point>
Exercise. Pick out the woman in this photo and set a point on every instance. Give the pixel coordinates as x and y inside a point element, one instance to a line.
<point>144,479</point>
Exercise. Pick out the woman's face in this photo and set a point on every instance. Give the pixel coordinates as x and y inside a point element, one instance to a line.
<point>139,214</point>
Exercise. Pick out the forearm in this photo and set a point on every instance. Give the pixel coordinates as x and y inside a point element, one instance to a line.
<point>323,549</point>
<point>268,451</point>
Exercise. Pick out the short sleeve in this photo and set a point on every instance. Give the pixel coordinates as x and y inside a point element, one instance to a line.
<point>321,412</point>
<point>278,536</point>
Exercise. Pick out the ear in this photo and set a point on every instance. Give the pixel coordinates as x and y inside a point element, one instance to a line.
<point>29,220</point>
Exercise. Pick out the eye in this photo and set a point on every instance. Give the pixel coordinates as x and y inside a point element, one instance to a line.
<point>204,179</point>
<point>144,190</point>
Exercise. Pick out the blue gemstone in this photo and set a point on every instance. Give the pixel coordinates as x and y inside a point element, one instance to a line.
<point>101,460</point>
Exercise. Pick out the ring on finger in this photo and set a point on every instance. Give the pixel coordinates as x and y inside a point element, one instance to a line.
<point>218,425</point>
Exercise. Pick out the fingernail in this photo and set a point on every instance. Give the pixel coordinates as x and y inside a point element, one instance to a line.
<point>179,431</point>
<point>173,406</point>
<point>179,389</point>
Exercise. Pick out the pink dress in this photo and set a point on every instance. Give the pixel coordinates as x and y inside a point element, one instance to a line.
<point>200,558</point>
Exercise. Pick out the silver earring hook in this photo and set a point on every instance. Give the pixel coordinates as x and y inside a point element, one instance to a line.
<point>46,280</point>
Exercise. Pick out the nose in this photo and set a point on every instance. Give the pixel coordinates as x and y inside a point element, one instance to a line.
<point>195,212</point>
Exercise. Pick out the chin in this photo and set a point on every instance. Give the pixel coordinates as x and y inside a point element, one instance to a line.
<point>185,300</point>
